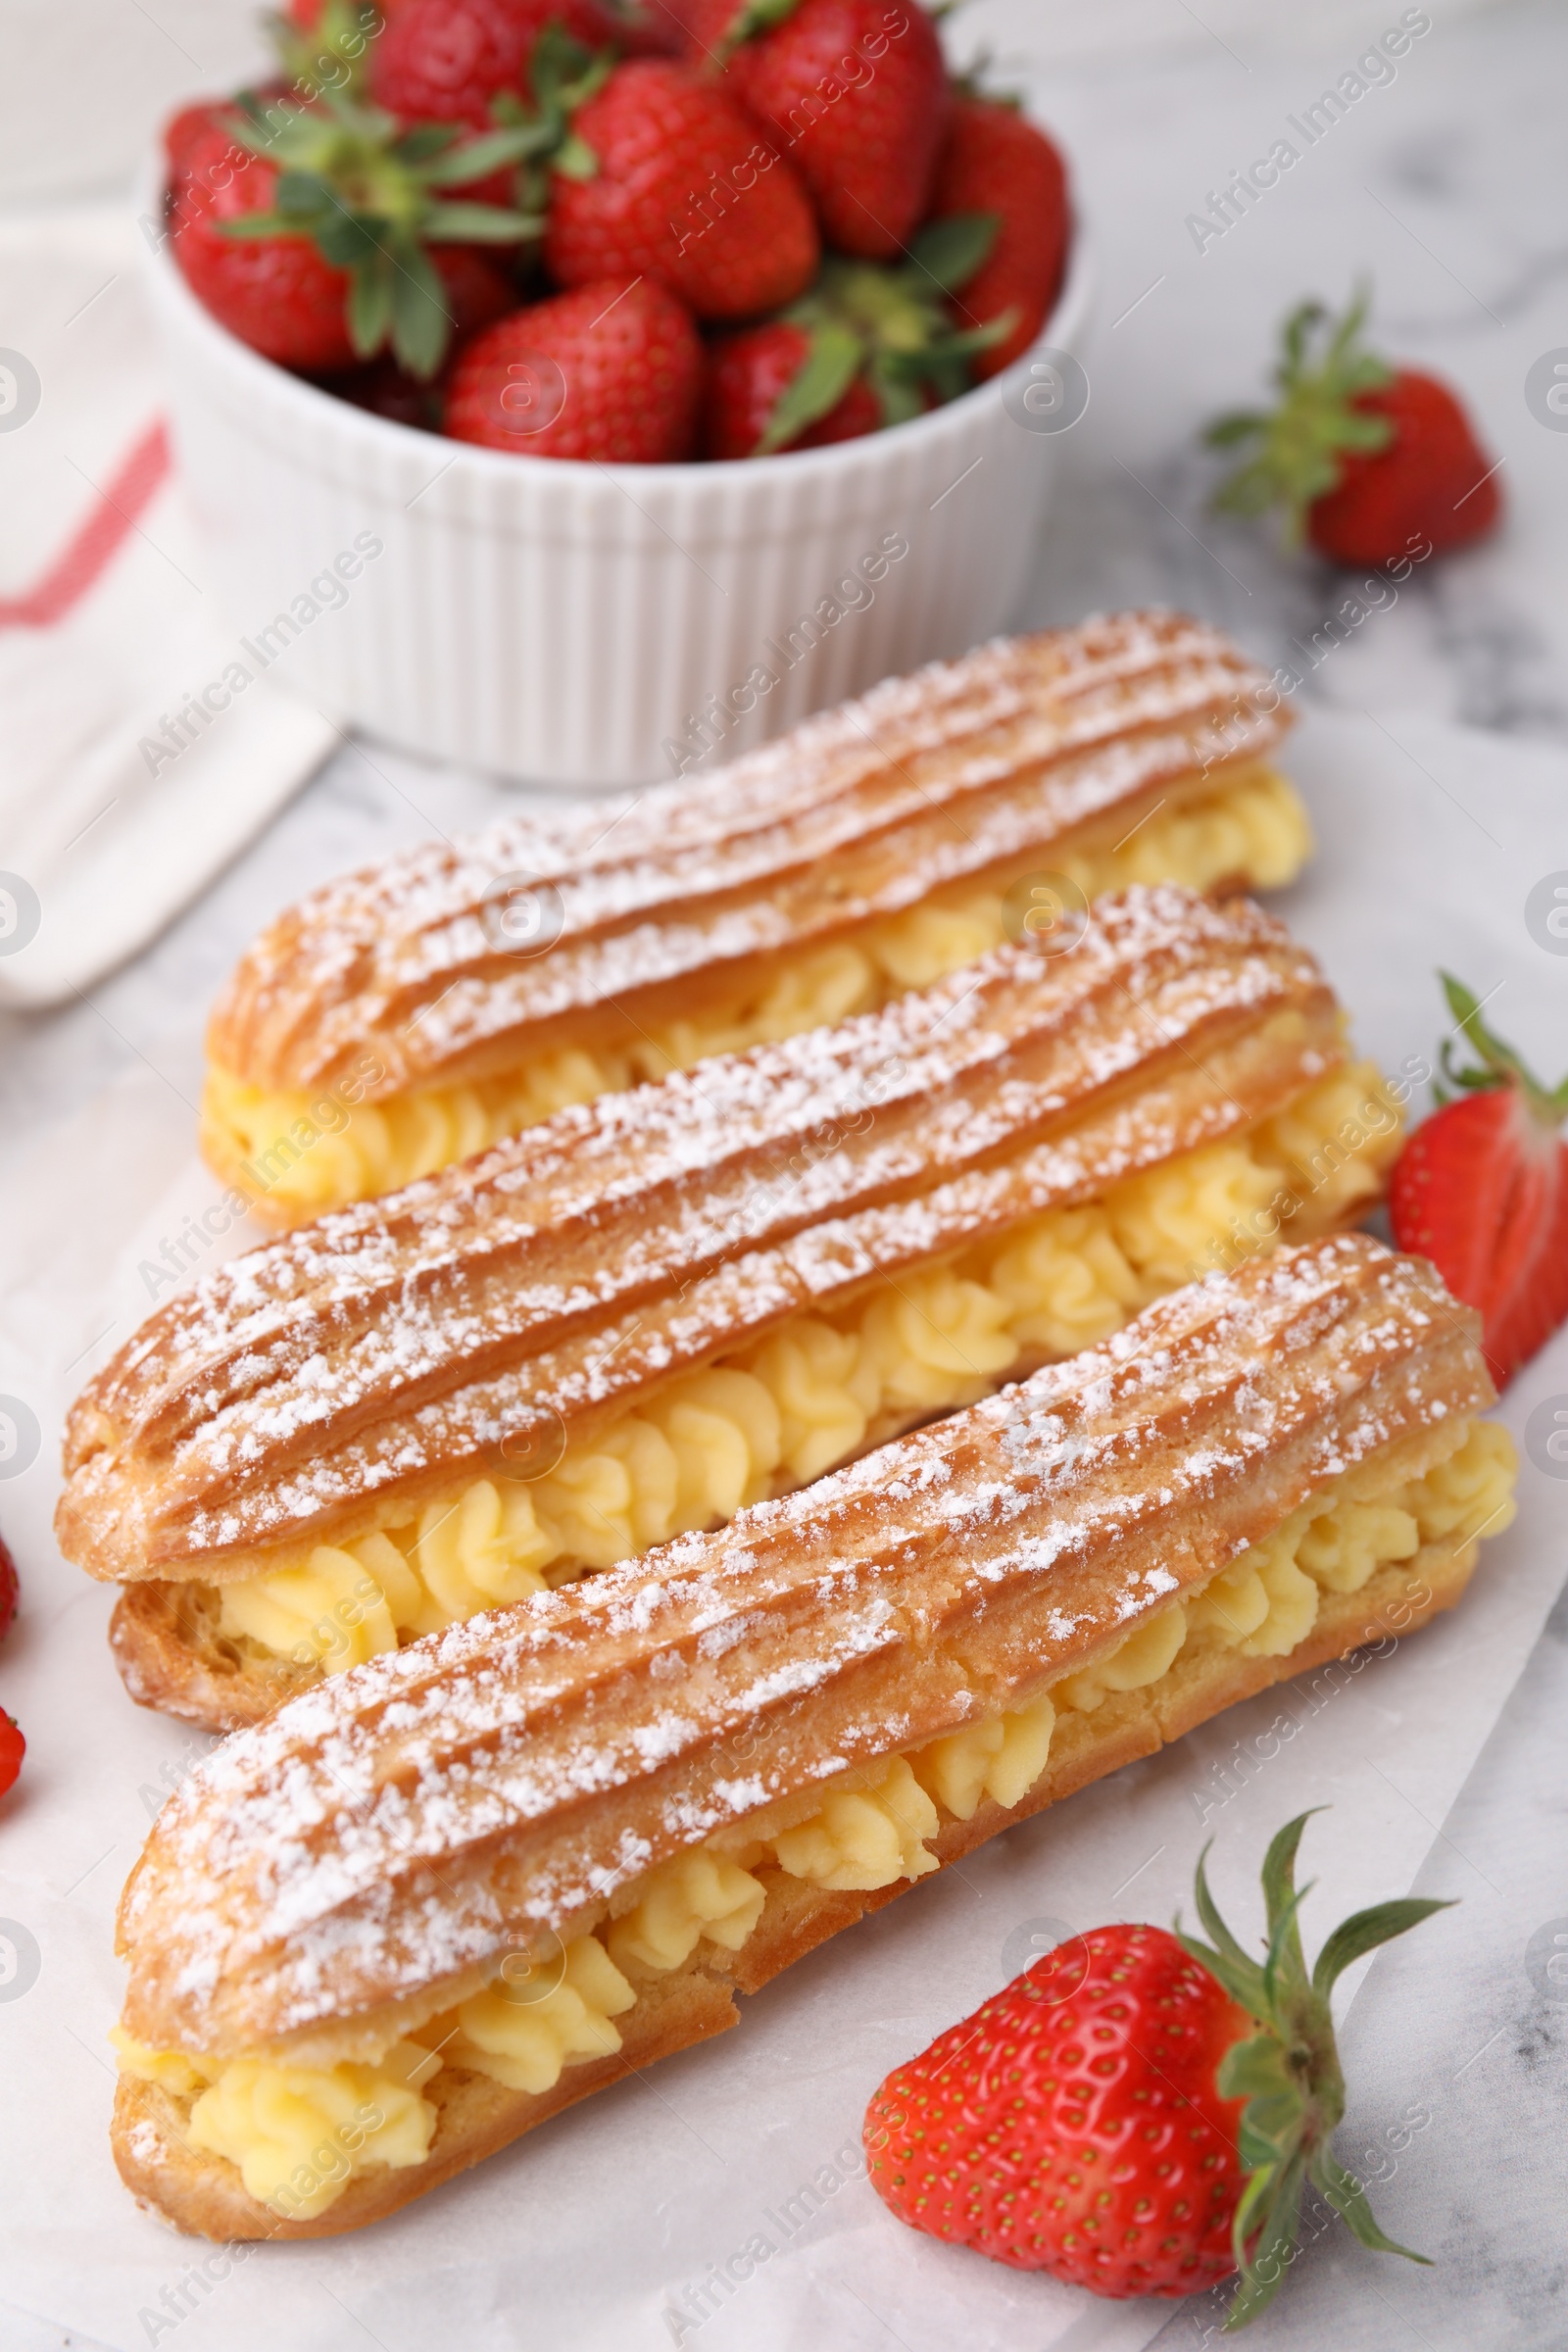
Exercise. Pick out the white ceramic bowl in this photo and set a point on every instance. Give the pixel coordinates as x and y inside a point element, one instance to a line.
<point>573,623</point>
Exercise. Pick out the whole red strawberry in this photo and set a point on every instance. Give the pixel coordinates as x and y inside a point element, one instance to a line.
<point>667,178</point>
<point>994,160</point>
<point>1431,479</point>
<point>277,294</point>
<point>1137,2113</point>
<point>446,61</point>
<point>1482,1189</point>
<point>856,92</point>
<point>13,1748</point>
<point>1370,464</point>
<point>868,347</point>
<point>194,122</point>
<point>10,1590</point>
<point>350,265</point>
<point>609,371</point>
<point>746,411</point>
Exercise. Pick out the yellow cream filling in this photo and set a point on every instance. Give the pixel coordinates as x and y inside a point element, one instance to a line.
<point>307,1153</point>
<point>299,2134</point>
<point>805,1399</point>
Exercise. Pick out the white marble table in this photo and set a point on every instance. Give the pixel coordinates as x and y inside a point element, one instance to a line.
<point>1451,187</point>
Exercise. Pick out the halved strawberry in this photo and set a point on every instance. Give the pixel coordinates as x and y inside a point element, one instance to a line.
<point>1481,1189</point>
<point>10,1590</point>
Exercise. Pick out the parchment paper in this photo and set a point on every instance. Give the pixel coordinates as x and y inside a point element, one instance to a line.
<point>613,2228</point>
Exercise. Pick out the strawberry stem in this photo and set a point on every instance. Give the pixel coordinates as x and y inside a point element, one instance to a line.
<point>370,199</point>
<point>890,323</point>
<point>1499,1064</point>
<point>1288,2072</point>
<point>1296,447</point>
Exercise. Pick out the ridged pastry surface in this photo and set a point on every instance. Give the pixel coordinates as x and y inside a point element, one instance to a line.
<point>582,1261</point>
<point>861,812</point>
<point>395,1828</point>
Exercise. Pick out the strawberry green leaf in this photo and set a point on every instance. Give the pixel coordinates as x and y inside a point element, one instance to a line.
<point>1279,1876</point>
<point>1348,2200</point>
<point>952,250</point>
<point>1239,425</point>
<point>425,143</point>
<point>1288,2073</point>
<point>420,321</point>
<point>753,17</point>
<point>478,225</point>
<point>897,388</point>
<point>453,166</point>
<point>1364,1931</point>
<point>371,307</point>
<point>1499,1064</point>
<point>1208,1913</point>
<point>331,55</point>
<point>817,387</point>
<point>1241,1978</point>
<point>1263,2270</point>
<point>574,158</point>
<point>1299,444</point>
<point>1285,1968</point>
<point>1258,2072</point>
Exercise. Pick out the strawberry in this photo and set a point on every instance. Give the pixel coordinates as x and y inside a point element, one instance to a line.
<point>278,294</point>
<point>325,47</point>
<point>13,1748</point>
<point>994,162</point>
<point>1482,1189</point>
<point>640,27</point>
<point>857,93</point>
<point>664,176</point>
<point>445,61</point>
<point>307,231</point>
<point>477,292</point>
<point>307,13</point>
<point>10,1590</point>
<point>868,347</point>
<point>191,126</point>
<point>614,370</point>
<point>1367,460</point>
<point>1136,2112</point>
<point>748,409</point>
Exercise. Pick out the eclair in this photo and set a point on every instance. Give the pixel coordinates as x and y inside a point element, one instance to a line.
<point>418,1010</point>
<point>431,1903</point>
<point>653,1310</point>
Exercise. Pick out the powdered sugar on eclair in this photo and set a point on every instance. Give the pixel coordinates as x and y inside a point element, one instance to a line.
<point>390,1830</point>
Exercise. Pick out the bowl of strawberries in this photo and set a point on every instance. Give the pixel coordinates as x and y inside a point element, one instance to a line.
<point>583,389</point>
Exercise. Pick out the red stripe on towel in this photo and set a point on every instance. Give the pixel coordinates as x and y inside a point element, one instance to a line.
<point>81,561</point>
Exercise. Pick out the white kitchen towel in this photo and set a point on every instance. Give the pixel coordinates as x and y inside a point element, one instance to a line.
<point>139,749</point>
